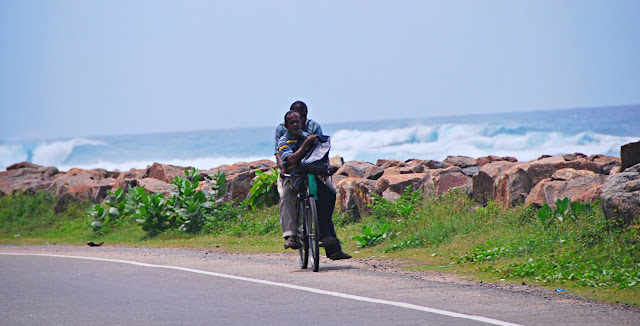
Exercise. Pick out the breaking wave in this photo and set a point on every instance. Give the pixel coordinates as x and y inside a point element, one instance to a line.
<point>437,142</point>
<point>54,153</point>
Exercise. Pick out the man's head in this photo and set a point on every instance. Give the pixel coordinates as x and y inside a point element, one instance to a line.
<point>301,108</point>
<point>292,122</point>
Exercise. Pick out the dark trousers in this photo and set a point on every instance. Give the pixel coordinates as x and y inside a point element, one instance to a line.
<point>325,203</point>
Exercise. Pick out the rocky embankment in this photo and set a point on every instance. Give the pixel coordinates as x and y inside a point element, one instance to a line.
<point>612,180</point>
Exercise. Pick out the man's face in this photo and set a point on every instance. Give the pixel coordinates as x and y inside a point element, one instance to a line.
<point>293,124</point>
<point>303,116</point>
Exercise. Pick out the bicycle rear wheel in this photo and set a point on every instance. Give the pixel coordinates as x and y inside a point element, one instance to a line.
<point>303,251</point>
<point>313,233</point>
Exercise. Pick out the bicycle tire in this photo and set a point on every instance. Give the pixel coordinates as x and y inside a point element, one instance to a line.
<point>303,251</point>
<point>313,233</point>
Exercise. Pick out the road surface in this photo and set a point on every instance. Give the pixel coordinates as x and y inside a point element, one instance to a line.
<point>73,285</point>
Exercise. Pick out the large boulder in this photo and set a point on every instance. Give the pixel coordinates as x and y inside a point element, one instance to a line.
<point>630,155</point>
<point>485,184</point>
<point>26,176</point>
<point>492,158</point>
<point>78,184</point>
<point>354,195</point>
<point>399,182</point>
<point>335,162</point>
<point>164,172</point>
<point>606,163</point>
<point>373,172</point>
<point>154,186</point>
<point>514,185</point>
<point>354,169</point>
<point>620,195</point>
<point>443,180</point>
<point>460,161</point>
<point>578,187</point>
<point>385,163</point>
<point>413,166</point>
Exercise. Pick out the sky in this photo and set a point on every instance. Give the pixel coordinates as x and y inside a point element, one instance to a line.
<point>89,68</point>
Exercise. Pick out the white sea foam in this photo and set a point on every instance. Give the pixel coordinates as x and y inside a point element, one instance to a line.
<point>399,141</point>
<point>43,153</point>
<point>470,140</point>
<point>56,153</point>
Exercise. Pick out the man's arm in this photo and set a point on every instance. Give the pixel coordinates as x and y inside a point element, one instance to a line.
<point>279,162</point>
<point>298,154</point>
<point>279,133</point>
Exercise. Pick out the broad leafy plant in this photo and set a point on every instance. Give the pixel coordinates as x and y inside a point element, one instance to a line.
<point>188,206</point>
<point>372,234</point>
<point>565,209</point>
<point>188,209</point>
<point>264,191</point>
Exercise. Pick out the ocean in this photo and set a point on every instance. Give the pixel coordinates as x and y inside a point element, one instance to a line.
<point>524,135</point>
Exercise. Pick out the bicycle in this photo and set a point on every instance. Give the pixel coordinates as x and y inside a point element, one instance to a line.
<point>308,228</point>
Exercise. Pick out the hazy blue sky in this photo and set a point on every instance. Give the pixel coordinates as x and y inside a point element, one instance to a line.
<point>82,68</point>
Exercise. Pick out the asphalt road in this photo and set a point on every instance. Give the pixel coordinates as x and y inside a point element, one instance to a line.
<point>67,285</point>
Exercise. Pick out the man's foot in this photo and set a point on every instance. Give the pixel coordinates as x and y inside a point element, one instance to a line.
<point>328,241</point>
<point>339,255</point>
<point>292,242</point>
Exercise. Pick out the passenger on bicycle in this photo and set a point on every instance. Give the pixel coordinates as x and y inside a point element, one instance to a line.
<point>292,146</point>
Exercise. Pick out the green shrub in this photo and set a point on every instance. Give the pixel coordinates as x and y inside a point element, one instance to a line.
<point>372,234</point>
<point>264,190</point>
<point>187,209</point>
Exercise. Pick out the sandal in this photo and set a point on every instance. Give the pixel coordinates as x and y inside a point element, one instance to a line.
<point>339,255</point>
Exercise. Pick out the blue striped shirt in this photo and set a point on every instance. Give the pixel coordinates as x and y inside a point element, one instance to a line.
<point>310,128</point>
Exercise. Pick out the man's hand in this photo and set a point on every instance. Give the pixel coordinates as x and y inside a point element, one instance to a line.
<point>310,141</point>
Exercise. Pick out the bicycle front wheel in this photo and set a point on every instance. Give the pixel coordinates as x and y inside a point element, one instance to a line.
<point>313,233</point>
<point>303,251</point>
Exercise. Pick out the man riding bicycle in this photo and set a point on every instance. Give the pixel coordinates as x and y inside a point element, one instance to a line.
<point>292,145</point>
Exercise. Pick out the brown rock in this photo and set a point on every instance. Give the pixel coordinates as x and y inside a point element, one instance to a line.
<point>443,180</point>
<point>591,195</point>
<point>27,177</point>
<point>23,165</point>
<point>432,164</point>
<point>461,161</point>
<point>399,182</point>
<point>515,184</point>
<point>78,185</point>
<point>607,163</point>
<point>487,159</point>
<point>154,186</point>
<point>569,173</point>
<point>373,172</point>
<point>354,169</point>
<point>335,163</point>
<point>485,181</point>
<point>620,195</point>
<point>630,155</point>
<point>240,176</point>
<point>390,195</point>
<point>384,164</point>
<point>580,188</point>
<point>354,195</point>
<point>573,157</point>
<point>165,172</point>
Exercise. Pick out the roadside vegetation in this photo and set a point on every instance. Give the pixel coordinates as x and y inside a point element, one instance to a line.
<point>571,247</point>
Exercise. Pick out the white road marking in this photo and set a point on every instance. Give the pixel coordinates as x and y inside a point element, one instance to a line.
<point>290,286</point>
